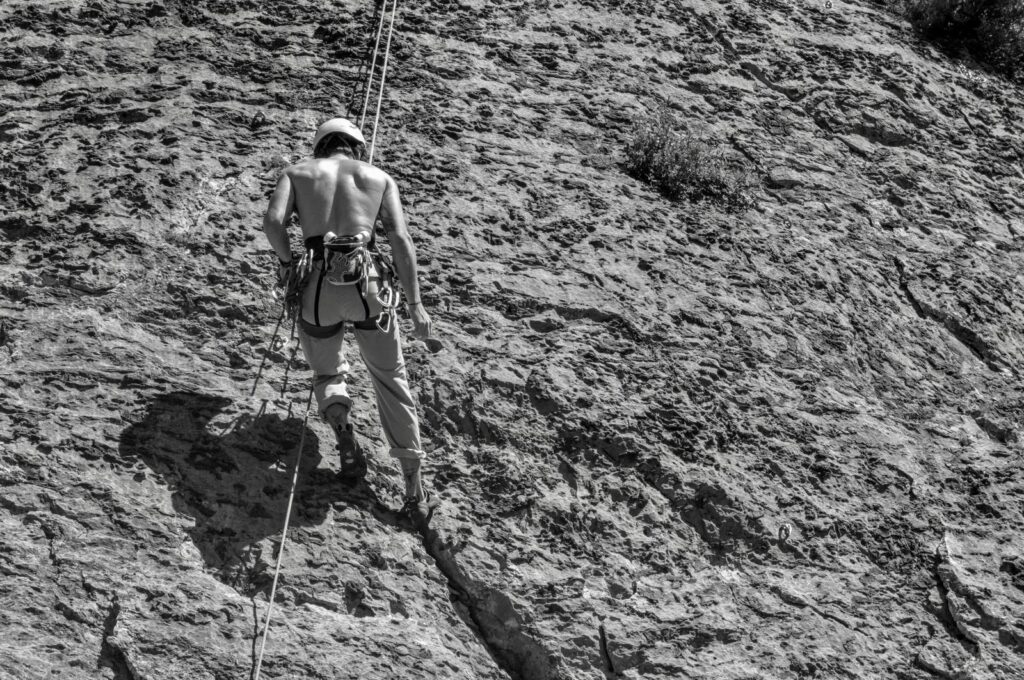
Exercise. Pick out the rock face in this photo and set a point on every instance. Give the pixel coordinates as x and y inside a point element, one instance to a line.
<point>671,441</point>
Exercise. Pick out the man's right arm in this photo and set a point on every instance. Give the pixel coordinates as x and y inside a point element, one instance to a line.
<point>404,252</point>
<point>275,221</point>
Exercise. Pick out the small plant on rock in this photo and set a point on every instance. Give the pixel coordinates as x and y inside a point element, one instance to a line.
<point>682,165</point>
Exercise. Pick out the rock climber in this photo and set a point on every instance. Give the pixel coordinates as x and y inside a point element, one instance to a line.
<point>342,279</point>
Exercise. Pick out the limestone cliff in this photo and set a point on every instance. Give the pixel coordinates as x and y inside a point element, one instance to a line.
<point>671,441</point>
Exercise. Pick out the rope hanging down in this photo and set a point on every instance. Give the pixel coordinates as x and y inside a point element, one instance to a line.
<point>284,535</point>
<point>373,66</point>
<point>383,76</point>
<point>309,399</point>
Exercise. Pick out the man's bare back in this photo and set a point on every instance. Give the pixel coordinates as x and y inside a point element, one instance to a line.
<point>337,194</point>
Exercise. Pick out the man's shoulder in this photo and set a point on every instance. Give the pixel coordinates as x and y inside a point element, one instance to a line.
<point>373,175</point>
<point>372,170</point>
<point>301,167</point>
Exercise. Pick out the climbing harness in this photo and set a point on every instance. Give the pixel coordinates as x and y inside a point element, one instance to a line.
<point>347,261</point>
<point>284,535</point>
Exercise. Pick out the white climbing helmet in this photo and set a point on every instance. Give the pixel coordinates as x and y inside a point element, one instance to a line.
<point>342,126</point>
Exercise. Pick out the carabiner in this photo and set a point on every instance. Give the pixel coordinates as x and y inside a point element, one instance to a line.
<point>390,300</point>
<point>387,321</point>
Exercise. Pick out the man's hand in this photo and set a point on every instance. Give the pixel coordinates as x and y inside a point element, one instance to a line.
<point>420,321</point>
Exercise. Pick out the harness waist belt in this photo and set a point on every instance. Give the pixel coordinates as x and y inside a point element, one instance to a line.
<point>344,244</point>
<point>314,331</point>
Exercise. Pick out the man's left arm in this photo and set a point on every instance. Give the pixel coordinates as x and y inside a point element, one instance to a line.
<point>405,256</point>
<point>275,221</point>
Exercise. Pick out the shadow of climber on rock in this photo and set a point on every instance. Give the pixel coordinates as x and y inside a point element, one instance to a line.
<point>233,478</point>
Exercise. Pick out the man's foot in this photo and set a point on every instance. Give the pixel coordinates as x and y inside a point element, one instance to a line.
<point>419,510</point>
<point>353,460</point>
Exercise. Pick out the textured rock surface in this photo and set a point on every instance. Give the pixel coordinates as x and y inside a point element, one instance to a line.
<point>671,441</point>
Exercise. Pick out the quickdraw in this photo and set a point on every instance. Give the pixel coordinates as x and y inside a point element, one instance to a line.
<point>388,295</point>
<point>295,282</point>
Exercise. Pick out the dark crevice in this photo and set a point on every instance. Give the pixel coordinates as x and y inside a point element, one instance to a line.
<point>967,337</point>
<point>718,35</point>
<point>944,615</point>
<point>493,616</point>
<point>255,637</point>
<point>904,286</point>
<point>997,432</point>
<point>51,538</point>
<point>964,335</point>
<point>605,651</point>
<point>110,656</point>
<point>756,72</point>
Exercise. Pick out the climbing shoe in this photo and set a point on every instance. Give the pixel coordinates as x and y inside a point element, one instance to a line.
<point>353,460</point>
<point>419,510</point>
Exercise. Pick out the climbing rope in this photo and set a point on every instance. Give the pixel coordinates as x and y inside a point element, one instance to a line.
<point>270,348</point>
<point>284,535</point>
<point>291,360</point>
<point>383,77</point>
<point>373,65</point>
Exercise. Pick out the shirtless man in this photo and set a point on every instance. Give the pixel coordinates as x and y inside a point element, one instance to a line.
<point>338,200</point>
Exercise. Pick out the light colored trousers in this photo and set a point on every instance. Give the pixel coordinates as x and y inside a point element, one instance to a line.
<point>325,305</point>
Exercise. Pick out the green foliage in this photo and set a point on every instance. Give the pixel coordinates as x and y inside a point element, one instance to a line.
<point>991,31</point>
<point>682,165</point>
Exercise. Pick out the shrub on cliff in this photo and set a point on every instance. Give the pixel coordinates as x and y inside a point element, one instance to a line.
<point>683,165</point>
<point>992,31</point>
